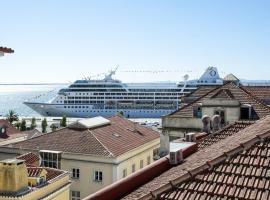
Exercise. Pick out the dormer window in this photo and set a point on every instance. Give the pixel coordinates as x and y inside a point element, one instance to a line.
<point>247,112</point>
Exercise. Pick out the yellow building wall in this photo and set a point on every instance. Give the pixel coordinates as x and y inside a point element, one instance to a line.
<point>127,164</point>
<point>33,180</point>
<point>53,191</point>
<point>13,177</point>
<point>110,167</point>
<point>85,183</point>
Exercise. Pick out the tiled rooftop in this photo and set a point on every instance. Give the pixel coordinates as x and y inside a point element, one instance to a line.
<point>261,92</point>
<point>214,170</point>
<point>110,140</point>
<point>30,158</point>
<point>6,50</point>
<point>51,173</point>
<point>223,133</point>
<point>242,176</point>
<point>9,128</point>
<point>232,90</point>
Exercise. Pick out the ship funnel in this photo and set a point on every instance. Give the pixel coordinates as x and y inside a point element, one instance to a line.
<point>210,76</point>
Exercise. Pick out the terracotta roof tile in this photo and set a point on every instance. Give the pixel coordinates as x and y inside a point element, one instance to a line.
<point>109,140</point>
<point>245,166</point>
<point>6,50</point>
<point>10,129</point>
<point>30,158</point>
<point>223,133</point>
<point>51,173</point>
<point>238,92</point>
<point>248,182</point>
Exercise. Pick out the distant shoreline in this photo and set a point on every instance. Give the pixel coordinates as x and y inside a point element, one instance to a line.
<point>34,83</point>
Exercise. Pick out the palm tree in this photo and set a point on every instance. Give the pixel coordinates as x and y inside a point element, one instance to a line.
<point>12,116</point>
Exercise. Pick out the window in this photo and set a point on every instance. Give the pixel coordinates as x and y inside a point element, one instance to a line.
<point>75,195</point>
<point>197,112</point>
<point>148,160</point>
<point>50,159</point>
<point>133,168</point>
<point>98,176</point>
<point>156,154</point>
<point>75,173</point>
<point>124,173</point>
<point>141,163</point>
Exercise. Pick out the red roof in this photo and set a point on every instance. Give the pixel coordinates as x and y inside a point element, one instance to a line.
<point>238,173</point>
<point>6,50</point>
<point>51,173</point>
<point>109,140</point>
<point>30,158</point>
<point>10,129</point>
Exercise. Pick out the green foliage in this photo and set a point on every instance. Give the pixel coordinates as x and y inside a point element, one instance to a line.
<point>23,125</point>
<point>53,127</point>
<point>120,114</point>
<point>18,125</point>
<point>44,125</point>
<point>12,116</point>
<point>63,122</point>
<point>33,123</point>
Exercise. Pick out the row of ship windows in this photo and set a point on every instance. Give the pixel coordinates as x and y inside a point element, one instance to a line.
<point>87,102</point>
<point>119,90</point>
<point>106,111</point>
<point>125,98</point>
<point>126,94</point>
<point>151,111</point>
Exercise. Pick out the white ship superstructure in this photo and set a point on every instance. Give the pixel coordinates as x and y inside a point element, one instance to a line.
<point>106,97</point>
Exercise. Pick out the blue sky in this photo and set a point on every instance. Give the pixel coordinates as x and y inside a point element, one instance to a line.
<point>64,40</point>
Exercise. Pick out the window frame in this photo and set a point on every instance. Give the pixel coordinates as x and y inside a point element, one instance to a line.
<point>76,196</point>
<point>98,176</point>
<point>75,173</point>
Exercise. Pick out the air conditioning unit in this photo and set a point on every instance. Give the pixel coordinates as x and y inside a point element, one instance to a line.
<point>191,137</point>
<point>176,157</point>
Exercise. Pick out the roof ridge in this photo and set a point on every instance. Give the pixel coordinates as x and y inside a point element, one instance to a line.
<point>43,134</point>
<point>191,103</point>
<point>209,164</point>
<point>257,100</point>
<point>100,142</point>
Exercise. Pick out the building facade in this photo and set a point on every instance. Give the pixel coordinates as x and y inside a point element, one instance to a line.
<point>96,152</point>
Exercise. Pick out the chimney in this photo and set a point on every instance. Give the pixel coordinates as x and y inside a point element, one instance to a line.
<point>13,176</point>
<point>206,124</point>
<point>216,122</point>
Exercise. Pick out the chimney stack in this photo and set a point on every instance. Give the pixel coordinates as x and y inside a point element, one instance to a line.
<point>216,122</point>
<point>206,123</point>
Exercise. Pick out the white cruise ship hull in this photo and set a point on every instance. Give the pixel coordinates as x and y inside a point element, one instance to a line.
<point>58,110</point>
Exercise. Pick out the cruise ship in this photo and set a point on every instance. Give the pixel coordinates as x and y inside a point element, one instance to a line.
<point>109,96</point>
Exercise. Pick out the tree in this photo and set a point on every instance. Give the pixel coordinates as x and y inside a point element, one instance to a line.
<point>120,114</point>
<point>63,121</point>
<point>53,127</point>
<point>33,123</point>
<point>23,125</point>
<point>12,116</point>
<point>44,125</point>
<point>18,125</point>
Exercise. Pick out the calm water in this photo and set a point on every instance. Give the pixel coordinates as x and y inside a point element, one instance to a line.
<point>13,96</point>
